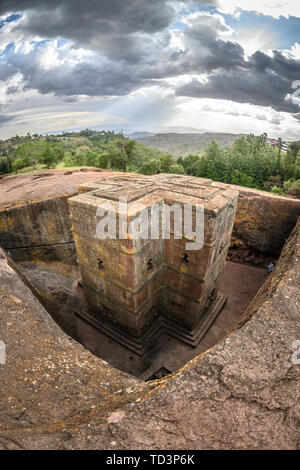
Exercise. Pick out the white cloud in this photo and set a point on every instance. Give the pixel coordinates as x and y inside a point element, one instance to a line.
<point>14,83</point>
<point>295,50</point>
<point>53,56</point>
<point>149,109</point>
<point>205,19</point>
<point>11,34</point>
<point>273,8</point>
<point>228,116</point>
<point>253,40</point>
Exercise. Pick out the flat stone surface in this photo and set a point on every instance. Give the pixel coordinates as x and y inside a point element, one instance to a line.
<point>45,184</point>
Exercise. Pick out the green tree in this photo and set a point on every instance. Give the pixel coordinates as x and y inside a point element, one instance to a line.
<point>190,164</point>
<point>288,164</point>
<point>4,166</point>
<point>91,158</point>
<point>103,160</point>
<point>292,187</point>
<point>177,169</point>
<point>152,167</point>
<point>18,164</point>
<point>50,155</point>
<point>166,162</point>
<point>121,153</point>
<point>295,149</point>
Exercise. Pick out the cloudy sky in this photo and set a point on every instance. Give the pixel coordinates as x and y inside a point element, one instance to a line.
<point>155,65</point>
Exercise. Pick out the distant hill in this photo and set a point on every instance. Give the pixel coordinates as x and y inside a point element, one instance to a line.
<point>139,135</point>
<point>185,144</point>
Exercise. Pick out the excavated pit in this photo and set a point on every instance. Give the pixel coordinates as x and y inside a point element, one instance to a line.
<point>54,279</point>
<point>49,268</point>
<point>56,285</point>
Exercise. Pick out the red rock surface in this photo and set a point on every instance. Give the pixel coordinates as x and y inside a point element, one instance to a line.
<point>45,184</point>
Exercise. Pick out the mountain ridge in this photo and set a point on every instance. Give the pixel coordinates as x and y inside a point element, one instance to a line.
<point>183,144</point>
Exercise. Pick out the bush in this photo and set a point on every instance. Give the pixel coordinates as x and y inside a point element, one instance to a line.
<point>103,161</point>
<point>292,187</point>
<point>177,169</point>
<point>4,166</point>
<point>273,181</point>
<point>72,159</point>
<point>277,190</point>
<point>91,158</point>
<point>18,164</point>
<point>152,167</point>
<point>166,161</point>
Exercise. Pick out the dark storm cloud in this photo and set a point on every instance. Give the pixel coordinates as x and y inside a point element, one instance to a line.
<point>132,48</point>
<point>88,22</point>
<point>4,118</point>
<point>263,80</point>
<point>115,72</point>
<point>118,28</point>
<point>217,52</point>
<point>81,19</point>
<point>84,78</point>
<point>115,27</point>
<point>203,51</point>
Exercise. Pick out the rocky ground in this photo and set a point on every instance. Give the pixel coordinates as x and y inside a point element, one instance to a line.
<point>56,286</point>
<point>243,393</point>
<point>45,184</point>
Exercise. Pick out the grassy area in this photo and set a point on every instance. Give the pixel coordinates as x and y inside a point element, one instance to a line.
<point>34,169</point>
<point>62,166</point>
<point>27,170</point>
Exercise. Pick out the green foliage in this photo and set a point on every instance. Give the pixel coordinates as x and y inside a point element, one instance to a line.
<point>32,153</point>
<point>295,149</point>
<point>69,160</point>
<point>242,179</point>
<point>292,187</point>
<point>288,164</point>
<point>143,154</point>
<point>273,181</point>
<point>277,190</point>
<point>250,162</point>
<point>103,149</point>
<point>103,160</point>
<point>152,167</point>
<point>166,162</point>
<point>51,155</point>
<point>182,145</point>
<point>91,158</point>
<point>5,165</point>
<point>28,154</point>
<point>177,169</point>
<point>121,153</point>
<point>191,164</point>
<point>18,164</point>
